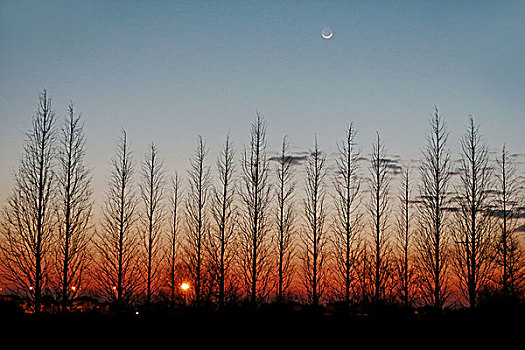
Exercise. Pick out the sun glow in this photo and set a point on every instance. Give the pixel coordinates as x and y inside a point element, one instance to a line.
<point>185,286</point>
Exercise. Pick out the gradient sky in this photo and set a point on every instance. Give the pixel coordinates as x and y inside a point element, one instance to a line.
<point>168,71</point>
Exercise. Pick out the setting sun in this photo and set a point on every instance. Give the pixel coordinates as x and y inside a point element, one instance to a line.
<point>185,286</point>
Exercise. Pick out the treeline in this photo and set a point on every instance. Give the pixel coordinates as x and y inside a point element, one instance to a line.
<point>250,227</point>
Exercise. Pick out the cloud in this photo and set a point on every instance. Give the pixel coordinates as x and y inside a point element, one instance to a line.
<point>393,165</point>
<point>294,160</point>
<point>395,169</point>
<point>389,160</point>
<point>518,213</point>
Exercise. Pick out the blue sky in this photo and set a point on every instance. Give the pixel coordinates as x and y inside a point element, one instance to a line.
<point>167,71</point>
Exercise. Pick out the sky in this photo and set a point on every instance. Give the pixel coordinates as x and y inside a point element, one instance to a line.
<point>168,71</point>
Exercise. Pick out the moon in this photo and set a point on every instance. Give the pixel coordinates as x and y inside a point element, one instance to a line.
<point>327,33</point>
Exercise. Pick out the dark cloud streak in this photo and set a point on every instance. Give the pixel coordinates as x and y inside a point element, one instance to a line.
<point>294,160</point>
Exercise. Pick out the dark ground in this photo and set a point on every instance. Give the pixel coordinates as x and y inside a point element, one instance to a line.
<point>269,326</point>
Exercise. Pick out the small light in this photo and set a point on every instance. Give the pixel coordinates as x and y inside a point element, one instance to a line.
<point>31,288</point>
<point>114,288</point>
<point>73,288</point>
<point>136,312</point>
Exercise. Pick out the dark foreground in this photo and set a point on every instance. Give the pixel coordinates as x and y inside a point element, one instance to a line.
<point>268,326</point>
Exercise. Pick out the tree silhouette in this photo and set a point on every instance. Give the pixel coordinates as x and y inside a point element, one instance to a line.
<point>285,218</point>
<point>314,237</point>
<point>174,237</point>
<point>152,219</point>
<point>473,229</point>
<point>348,219</point>
<point>230,240</point>
<point>254,227</point>
<point>74,209</point>
<point>378,209</point>
<point>405,270</point>
<point>28,225</point>
<point>432,238</point>
<point>197,218</point>
<point>117,241</point>
<point>222,237</point>
<point>509,253</point>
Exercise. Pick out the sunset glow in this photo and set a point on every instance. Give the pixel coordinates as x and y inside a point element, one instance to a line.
<point>339,160</point>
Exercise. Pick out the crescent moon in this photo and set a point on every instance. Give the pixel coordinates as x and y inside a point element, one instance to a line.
<point>327,36</point>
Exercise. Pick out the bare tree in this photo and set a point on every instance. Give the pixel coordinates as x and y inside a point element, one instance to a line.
<point>254,227</point>
<point>314,237</point>
<point>73,210</point>
<point>473,229</point>
<point>152,218</point>
<point>405,270</point>
<point>27,231</point>
<point>347,185</point>
<point>432,237</point>
<point>222,237</point>
<point>378,209</point>
<point>362,268</point>
<point>174,202</point>
<point>116,243</point>
<point>509,200</point>
<point>197,218</point>
<point>285,218</point>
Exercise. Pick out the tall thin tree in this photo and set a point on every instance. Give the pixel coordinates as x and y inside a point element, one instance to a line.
<point>378,209</point>
<point>222,237</point>
<point>152,219</point>
<point>432,236</point>
<point>174,237</point>
<point>117,241</point>
<point>314,236</point>
<point>404,266</point>
<point>73,210</point>
<point>254,226</point>
<point>347,185</point>
<point>28,225</point>
<point>285,219</point>
<point>473,229</point>
<point>197,218</point>
<point>509,200</point>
